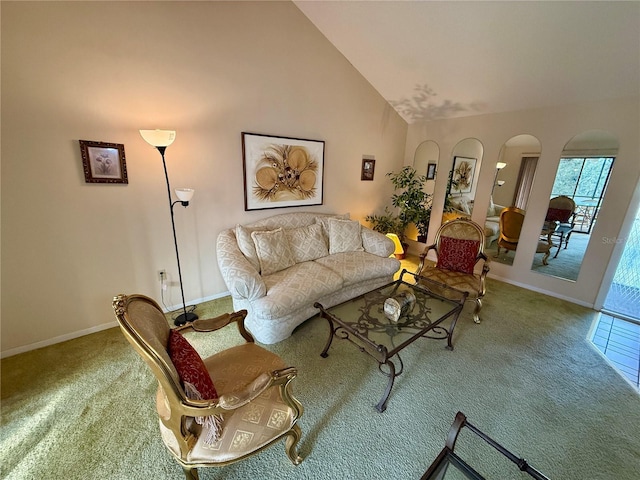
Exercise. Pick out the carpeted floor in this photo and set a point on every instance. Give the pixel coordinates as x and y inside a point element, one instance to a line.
<point>566,265</point>
<point>527,376</point>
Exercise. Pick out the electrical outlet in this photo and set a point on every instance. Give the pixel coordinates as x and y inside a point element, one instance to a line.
<point>162,275</point>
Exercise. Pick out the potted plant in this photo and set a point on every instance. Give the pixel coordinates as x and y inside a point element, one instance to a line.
<point>411,199</point>
<point>386,223</point>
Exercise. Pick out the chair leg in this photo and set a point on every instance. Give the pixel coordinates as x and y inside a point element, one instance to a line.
<point>293,437</point>
<point>566,242</point>
<point>191,473</point>
<point>476,310</point>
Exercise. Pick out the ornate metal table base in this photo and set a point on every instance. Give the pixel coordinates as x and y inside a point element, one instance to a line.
<point>382,338</point>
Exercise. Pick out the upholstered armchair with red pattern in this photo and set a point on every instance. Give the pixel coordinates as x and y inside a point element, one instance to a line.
<point>459,246</point>
<point>220,409</point>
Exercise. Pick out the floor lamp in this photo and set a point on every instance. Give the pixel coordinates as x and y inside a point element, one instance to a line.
<point>161,139</point>
<point>499,166</point>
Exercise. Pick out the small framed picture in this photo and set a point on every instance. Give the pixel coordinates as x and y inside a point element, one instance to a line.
<point>431,171</point>
<point>103,162</point>
<point>368,169</point>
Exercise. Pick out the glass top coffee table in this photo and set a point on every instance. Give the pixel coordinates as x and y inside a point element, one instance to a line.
<point>424,306</point>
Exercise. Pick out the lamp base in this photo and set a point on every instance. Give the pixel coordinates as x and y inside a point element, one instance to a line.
<point>185,318</point>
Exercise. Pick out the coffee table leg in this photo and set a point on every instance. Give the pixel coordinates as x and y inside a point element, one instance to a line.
<point>332,332</point>
<point>382,404</point>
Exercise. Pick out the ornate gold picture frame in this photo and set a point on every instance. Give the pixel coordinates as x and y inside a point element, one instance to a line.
<point>103,162</point>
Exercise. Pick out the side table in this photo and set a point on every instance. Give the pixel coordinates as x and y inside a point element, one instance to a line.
<point>448,465</point>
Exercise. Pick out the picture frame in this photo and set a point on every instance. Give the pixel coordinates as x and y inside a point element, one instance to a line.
<point>368,169</point>
<point>463,173</point>
<point>281,172</point>
<point>431,171</point>
<point>103,162</point>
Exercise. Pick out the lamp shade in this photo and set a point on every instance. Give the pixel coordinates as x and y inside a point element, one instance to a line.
<point>185,194</point>
<point>158,138</point>
<point>500,165</point>
<point>396,241</point>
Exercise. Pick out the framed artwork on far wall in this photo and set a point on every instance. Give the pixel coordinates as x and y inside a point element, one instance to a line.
<point>103,162</point>
<point>463,171</point>
<point>368,169</point>
<point>281,171</point>
<point>431,171</point>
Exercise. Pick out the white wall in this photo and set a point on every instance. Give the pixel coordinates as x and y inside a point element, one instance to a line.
<point>554,127</point>
<point>210,70</point>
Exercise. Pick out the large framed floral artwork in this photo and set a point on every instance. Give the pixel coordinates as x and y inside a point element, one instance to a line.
<point>281,171</point>
<point>464,169</point>
<point>103,162</point>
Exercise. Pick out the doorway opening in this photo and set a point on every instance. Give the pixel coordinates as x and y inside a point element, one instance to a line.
<point>617,334</point>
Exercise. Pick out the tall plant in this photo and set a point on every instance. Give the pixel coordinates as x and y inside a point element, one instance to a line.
<point>410,198</point>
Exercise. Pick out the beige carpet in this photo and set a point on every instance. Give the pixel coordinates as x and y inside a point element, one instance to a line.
<point>84,409</point>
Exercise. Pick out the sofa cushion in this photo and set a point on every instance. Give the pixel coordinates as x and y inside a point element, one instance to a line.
<point>355,267</point>
<point>491,209</point>
<point>246,245</point>
<point>307,243</point>
<point>297,287</point>
<point>457,254</point>
<point>344,236</point>
<point>274,251</point>
<point>324,221</point>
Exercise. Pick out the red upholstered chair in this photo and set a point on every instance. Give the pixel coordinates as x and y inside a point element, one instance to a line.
<point>561,212</point>
<point>459,246</point>
<point>220,409</point>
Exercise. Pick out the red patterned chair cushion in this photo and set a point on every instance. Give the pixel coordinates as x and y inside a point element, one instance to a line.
<point>196,382</point>
<point>558,215</point>
<point>190,366</point>
<point>457,254</point>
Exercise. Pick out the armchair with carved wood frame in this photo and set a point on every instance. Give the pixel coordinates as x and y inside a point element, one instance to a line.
<point>560,219</point>
<point>511,220</point>
<point>253,389</point>
<point>459,246</point>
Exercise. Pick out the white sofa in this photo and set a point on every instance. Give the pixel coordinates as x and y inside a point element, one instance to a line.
<point>278,267</point>
<point>462,209</point>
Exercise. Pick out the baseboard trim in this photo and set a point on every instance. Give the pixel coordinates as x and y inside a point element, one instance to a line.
<point>97,328</point>
<point>543,291</point>
<point>60,339</point>
<point>196,301</point>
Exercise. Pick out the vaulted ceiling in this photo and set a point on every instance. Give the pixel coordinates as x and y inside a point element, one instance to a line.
<point>441,59</point>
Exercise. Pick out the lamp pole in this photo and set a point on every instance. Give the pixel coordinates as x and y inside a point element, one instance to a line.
<point>161,139</point>
<point>185,316</point>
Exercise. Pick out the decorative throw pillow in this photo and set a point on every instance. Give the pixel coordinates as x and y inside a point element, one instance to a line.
<point>307,243</point>
<point>274,251</point>
<point>558,215</point>
<point>246,245</point>
<point>324,221</point>
<point>196,380</point>
<point>344,236</point>
<point>457,254</point>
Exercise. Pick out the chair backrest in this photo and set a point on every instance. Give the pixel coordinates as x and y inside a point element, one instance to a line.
<point>461,229</point>
<point>511,220</point>
<point>147,330</point>
<point>560,209</point>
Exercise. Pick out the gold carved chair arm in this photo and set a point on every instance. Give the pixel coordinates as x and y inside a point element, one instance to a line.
<point>231,401</point>
<point>213,324</point>
<point>485,271</point>
<point>254,389</point>
<point>423,257</point>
